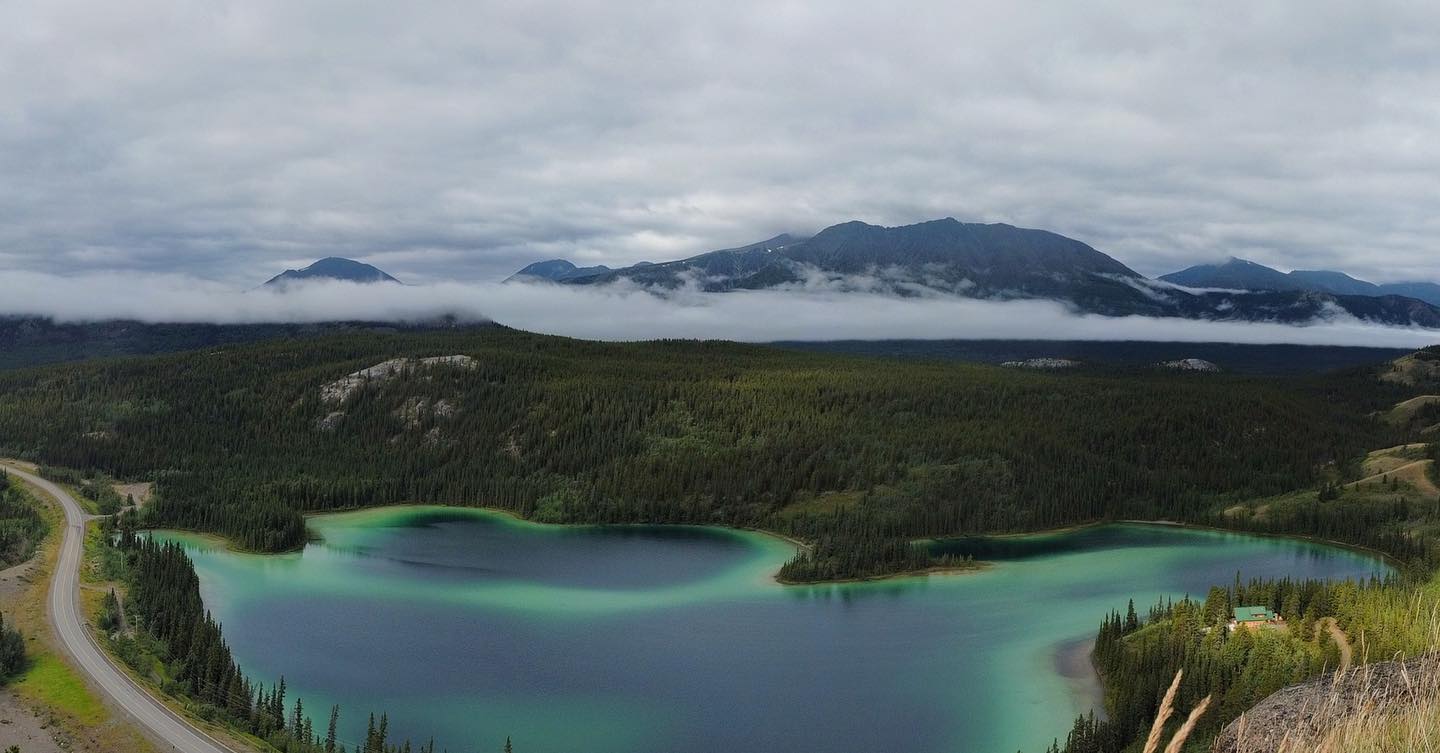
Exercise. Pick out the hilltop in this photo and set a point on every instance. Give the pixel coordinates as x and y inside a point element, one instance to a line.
<point>333,268</point>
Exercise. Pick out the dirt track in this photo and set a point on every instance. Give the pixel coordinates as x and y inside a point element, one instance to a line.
<point>1346,653</point>
<point>1416,474</point>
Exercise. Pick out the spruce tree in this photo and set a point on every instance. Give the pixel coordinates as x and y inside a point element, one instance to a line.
<point>330,729</point>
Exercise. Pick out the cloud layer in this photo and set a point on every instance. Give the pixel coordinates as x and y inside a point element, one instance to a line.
<point>620,313</point>
<point>445,140</point>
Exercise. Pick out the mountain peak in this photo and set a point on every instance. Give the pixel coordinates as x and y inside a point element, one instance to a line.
<point>333,268</point>
<point>1235,273</point>
<point>557,270</point>
<point>976,260</point>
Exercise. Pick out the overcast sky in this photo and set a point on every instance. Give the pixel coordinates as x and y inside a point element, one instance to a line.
<point>230,140</point>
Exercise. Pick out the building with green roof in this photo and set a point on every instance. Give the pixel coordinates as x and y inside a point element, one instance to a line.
<point>1246,616</point>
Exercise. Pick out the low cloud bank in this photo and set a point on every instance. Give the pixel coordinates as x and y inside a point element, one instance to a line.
<point>621,313</point>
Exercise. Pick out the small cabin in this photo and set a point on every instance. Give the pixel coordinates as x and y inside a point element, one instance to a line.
<point>1254,617</point>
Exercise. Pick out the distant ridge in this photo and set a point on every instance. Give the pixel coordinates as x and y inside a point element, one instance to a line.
<point>1241,274</point>
<point>333,268</point>
<point>35,340</point>
<point>1003,262</point>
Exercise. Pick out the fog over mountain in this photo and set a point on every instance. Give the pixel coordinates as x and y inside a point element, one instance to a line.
<point>1247,275</point>
<point>996,261</point>
<point>333,268</point>
<point>622,312</point>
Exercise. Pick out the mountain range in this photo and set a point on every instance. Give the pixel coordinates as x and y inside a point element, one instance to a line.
<point>1003,262</point>
<point>1247,275</point>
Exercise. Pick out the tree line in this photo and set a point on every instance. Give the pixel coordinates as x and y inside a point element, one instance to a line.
<point>21,525</point>
<point>12,651</point>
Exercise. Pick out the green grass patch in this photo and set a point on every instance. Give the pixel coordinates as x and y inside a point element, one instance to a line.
<point>824,503</point>
<point>102,564</point>
<point>52,683</point>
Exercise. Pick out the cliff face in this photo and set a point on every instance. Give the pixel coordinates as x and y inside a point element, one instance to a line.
<point>1298,717</point>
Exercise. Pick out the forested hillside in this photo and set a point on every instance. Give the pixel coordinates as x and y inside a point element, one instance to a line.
<point>856,452</point>
<point>35,340</point>
<point>21,526</point>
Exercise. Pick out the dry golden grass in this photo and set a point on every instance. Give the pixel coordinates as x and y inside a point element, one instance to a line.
<point>1416,474</point>
<point>1167,708</point>
<point>1404,413</point>
<point>1183,734</point>
<point>1390,458</point>
<point>1410,724</point>
<point>1412,370</point>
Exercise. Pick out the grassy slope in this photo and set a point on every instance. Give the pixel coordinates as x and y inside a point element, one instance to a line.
<point>1399,479</point>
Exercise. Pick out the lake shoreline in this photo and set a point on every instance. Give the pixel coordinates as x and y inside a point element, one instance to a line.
<point>744,610</point>
<point>221,542</point>
<point>1384,557</point>
<point>518,518</point>
<point>975,567</point>
<point>800,545</point>
<point>1075,662</point>
<point>1387,559</point>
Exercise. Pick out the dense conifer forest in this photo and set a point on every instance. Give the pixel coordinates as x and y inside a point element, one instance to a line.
<point>21,526</point>
<point>12,651</point>
<point>858,455</point>
<point>21,529</point>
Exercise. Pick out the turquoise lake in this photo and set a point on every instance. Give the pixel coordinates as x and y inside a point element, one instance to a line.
<point>470,626</point>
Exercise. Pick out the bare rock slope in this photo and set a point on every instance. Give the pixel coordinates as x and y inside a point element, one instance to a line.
<point>1298,717</point>
<point>341,389</point>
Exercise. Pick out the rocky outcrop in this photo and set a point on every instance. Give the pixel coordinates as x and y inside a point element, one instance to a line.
<point>341,389</point>
<point>1299,716</point>
<point>415,410</point>
<point>1042,363</point>
<point>1191,364</point>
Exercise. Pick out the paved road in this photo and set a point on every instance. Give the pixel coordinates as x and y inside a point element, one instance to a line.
<point>162,723</point>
